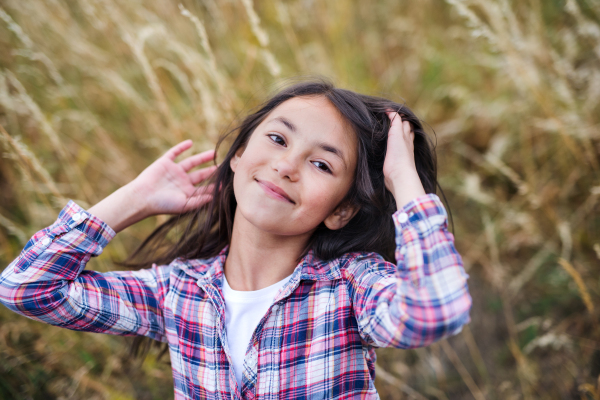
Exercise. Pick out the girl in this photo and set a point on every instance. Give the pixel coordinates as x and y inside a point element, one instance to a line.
<point>282,284</point>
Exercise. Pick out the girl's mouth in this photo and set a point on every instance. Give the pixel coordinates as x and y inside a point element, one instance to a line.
<point>274,191</point>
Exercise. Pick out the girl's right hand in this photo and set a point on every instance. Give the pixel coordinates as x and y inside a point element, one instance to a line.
<point>167,187</point>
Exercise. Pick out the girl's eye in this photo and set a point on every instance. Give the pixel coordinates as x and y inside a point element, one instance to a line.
<point>277,139</point>
<point>322,166</point>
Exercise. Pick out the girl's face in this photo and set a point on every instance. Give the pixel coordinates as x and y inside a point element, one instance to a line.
<point>296,168</point>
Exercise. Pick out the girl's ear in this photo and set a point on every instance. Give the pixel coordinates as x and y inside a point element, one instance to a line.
<point>236,159</point>
<point>341,216</point>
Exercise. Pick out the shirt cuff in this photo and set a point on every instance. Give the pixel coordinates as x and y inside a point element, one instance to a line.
<point>71,217</point>
<point>417,219</point>
<point>424,213</point>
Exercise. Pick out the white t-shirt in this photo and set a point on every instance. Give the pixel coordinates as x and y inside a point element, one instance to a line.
<point>243,312</point>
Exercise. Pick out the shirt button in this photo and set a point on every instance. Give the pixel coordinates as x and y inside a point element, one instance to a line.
<point>76,217</point>
<point>46,241</point>
<point>403,217</point>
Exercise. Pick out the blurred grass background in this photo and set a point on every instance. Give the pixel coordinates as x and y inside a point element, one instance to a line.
<point>93,91</point>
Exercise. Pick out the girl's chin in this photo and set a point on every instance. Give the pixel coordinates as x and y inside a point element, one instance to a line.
<point>270,224</point>
<point>274,222</point>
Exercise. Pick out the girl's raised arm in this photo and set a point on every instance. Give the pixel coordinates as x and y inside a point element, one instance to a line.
<point>47,281</point>
<point>424,297</point>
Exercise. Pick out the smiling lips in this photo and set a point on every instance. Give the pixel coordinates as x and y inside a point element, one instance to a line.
<point>274,191</point>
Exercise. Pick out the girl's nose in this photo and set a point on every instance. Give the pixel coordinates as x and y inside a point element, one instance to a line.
<point>287,166</point>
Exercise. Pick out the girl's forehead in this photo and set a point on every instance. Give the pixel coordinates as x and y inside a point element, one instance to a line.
<point>313,112</point>
<point>308,103</point>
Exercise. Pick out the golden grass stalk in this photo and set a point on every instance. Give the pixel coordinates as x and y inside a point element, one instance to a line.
<point>585,295</point>
<point>178,74</point>
<point>30,161</point>
<point>531,268</point>
<point>136,44</point>
<point>286,24</point>
<point>475,353</point>
<point>28,51</point>
<point>263,39</point>
<point>564,231</point>
<point>13,229</point>
<point>113,81</point>
<point>41,57</point>
<point>495,270</point>
<point>436,364</point>
<point>464,373</point>
<point>37,114</point>
<point>187,55</point>
<point>203,38</point>
<point>526,52</point>
<point>437,393</point>
<point>392,380</point>
<point>260,34</point>
<point>16,29</point>
<point>524,371</point>
<point>490,160</point>
<point>72,171</point>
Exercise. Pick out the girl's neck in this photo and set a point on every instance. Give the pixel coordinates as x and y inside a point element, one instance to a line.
<point>258,259</point>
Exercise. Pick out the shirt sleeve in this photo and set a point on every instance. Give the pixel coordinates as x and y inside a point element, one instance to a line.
<point>423,298</point>
<point>47,281</point>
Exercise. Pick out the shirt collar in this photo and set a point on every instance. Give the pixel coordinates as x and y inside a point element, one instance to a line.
<point>210,270</point>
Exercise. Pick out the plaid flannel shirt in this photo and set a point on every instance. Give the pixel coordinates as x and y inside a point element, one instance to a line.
<point>317,340</point>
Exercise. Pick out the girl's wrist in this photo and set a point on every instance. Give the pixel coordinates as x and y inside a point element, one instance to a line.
<point>121,209</point>
<point>407,189</point>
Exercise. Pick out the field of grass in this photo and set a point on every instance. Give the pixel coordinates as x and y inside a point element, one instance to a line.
<point>92,91</point>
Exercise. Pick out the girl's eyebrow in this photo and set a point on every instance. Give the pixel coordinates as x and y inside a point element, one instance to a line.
<point>286,122</point>
<point>323,146</point>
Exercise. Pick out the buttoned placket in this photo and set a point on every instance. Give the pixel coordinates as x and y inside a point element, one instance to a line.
<point>216,298</point>
<point>251,356</point>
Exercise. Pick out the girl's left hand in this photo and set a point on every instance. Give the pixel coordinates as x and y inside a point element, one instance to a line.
<point>399,169</point>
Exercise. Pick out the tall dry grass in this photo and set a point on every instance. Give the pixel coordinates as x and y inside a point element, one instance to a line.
<point>91,92</point>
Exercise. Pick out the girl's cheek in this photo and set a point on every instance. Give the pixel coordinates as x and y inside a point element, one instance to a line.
<point>324,202</point>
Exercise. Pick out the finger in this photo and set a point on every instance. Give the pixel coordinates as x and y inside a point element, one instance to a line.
<point>202,174</point>
<point>179,148</point>
<point>197,202</point>
<point>392,115</point>
<point>396,123</point>
<point>197,159</point>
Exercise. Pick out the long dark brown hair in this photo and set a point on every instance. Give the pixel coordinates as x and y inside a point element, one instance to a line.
<point>208,229</point>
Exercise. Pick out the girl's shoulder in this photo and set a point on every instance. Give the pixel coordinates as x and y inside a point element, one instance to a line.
<point>367,260</point>
<point>351,263</point>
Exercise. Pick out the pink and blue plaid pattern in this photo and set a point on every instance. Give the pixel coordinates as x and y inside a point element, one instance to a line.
<point>318,339</point>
